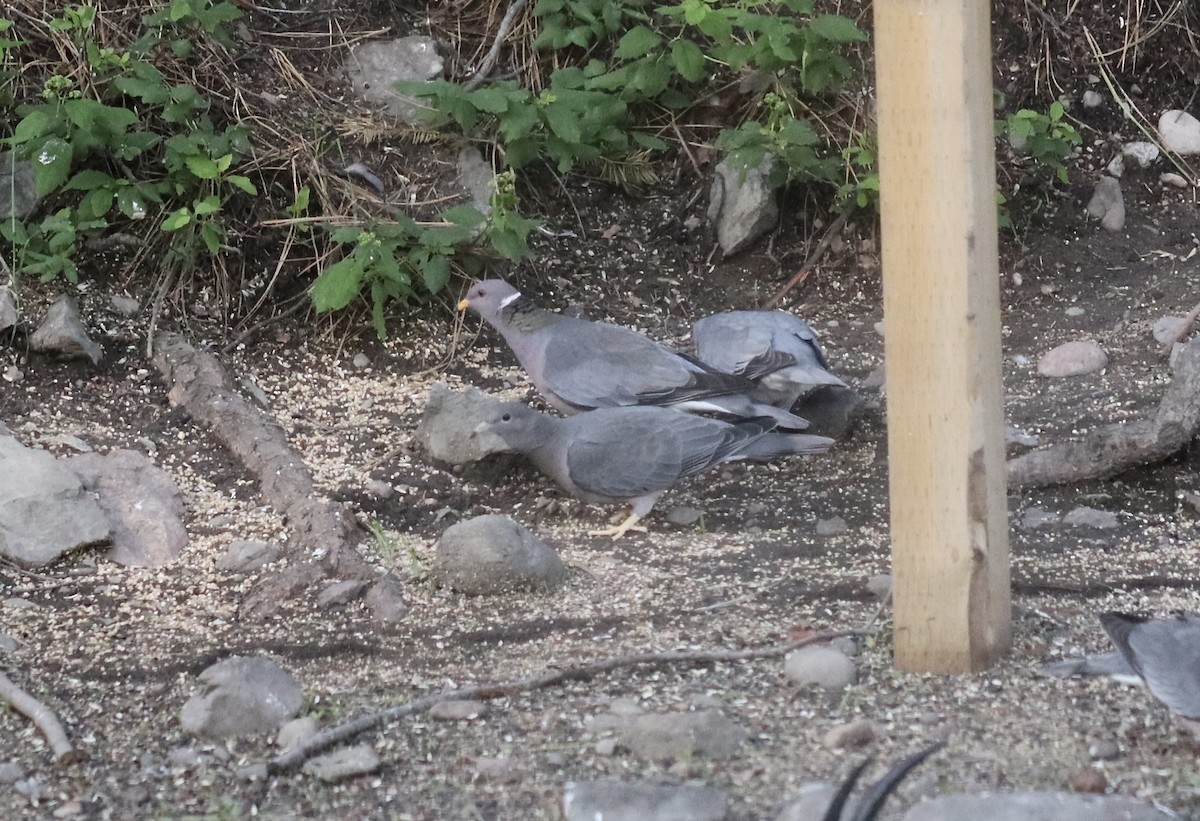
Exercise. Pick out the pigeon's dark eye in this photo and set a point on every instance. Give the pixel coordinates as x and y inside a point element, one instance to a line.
<point>506,417</point>
<point>481,292</point>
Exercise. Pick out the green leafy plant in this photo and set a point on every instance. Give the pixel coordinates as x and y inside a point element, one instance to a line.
<point>1047,139</point>
<point>395,260</point>
<point>147,147</point>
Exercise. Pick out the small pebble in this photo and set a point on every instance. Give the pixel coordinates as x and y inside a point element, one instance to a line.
<point>1089,780</point>
<point>1104,749</point>
<point>855,734</point>
<point>361,360</point>
<point>606,747</point>
<point>1075,310</point>
<point>457,710</point>
<point>684,516</point>
<point>880,585</point>
<point>825,667</point>
<point>831,527</point>
<point>1091,99</point>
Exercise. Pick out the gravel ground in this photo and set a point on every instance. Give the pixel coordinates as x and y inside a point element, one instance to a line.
<point>115,651</point>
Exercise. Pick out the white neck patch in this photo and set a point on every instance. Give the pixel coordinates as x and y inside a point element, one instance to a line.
<point>509,300</point>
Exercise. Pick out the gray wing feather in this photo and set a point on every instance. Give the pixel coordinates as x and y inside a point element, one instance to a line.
<point>628,452</point>
<point>1165,653</point>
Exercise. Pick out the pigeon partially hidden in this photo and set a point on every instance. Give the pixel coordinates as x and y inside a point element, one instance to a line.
<point>775,349</point>
<point>579,365</point>
<point>1165,653</point>
<point>635,454</point>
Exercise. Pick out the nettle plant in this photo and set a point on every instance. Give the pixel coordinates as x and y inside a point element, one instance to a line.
<point>642,64</point>
<point>149,148</point>
<point>1046,139</point>
<point>389,260</point>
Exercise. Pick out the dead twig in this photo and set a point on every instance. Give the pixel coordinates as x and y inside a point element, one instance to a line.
<point>42,717</point>
<point>1112,449</point>
<point>489,60</point>
<point>813,258</point>
<point>334,735</point>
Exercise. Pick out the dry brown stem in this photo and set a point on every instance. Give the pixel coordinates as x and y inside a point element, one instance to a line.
<point>42,716</point>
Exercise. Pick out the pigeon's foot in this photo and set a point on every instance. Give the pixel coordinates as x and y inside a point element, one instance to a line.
<point>617,531</point>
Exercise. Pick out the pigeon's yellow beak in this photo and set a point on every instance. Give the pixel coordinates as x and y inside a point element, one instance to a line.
<point>463,304</point>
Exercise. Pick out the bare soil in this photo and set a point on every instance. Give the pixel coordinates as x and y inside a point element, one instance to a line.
<point>115,651</point>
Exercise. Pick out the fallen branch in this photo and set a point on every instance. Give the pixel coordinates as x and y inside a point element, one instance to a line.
<point>199,384</point>
<point>42,717</point>
<point>826,240</point>
<point>1113,449</point>
<point>489,60</point>
<point>290,761</point>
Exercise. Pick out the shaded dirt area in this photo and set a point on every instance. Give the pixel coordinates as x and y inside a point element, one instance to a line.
<point>115,650</point>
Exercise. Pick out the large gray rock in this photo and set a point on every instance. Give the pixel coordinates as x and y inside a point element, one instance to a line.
<point>344,763</point>
<point>742,204</point>
<point>683,736</point>
<point>1035,806</point>
<point>44,509</point>
<point>812,801</point>
<point>494,554</point>
<point>375,67</point>
<point>1180,132</point>
<point>620,801</point>
<point>8,309</point>
<point>826,667</point>
<point>476,176</point>
<point>62,333</point>
<point>18,194</point>
<point>245,696</point>
<point>142,502</point>
<point>1108,204</point>
<point>450,419</point>
<point>247,555</point>
<point>1075,358</point>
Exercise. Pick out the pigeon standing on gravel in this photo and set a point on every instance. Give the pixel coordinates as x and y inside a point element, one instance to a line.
<point>1165,653</point>
<point>635,454</point>
<point>579,365</point>
<point>776,349</point>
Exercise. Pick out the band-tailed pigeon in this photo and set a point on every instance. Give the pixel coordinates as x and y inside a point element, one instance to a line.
<point>579,365</point>
<point>1165,653</point>
<point>775,349</point>
<point>635,454</point>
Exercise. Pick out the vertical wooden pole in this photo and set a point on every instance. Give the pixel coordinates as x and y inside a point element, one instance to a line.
<point>949,523</point>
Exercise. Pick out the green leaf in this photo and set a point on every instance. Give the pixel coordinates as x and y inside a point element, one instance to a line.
<point>1057,109</point>
<point>689,60</point>
<point>131,203</point>
<point>491,100</point>
<point>836,29</point>
<point>337,285</point>
<point>564,122</point>
<point>211,235</point>
<point>201,166</point>
<point>209,205</point>
<point>436,273</point>
<point>637,42</point>
<point>51,165</point>
<point>96,203</point>
<point>238,181</point>
<point>88,179</point>
<point>37,123</point>
<point>464,216</point>
<point>649,141</point>
<point>177,219</point>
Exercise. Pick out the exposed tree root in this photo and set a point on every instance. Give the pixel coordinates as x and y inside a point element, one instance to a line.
<point>42,716</point>
<point>342,732</point>
<point>1113,449</point>
<point>324,534</point>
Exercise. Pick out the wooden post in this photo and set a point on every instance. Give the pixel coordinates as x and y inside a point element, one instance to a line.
<point>949,523</point>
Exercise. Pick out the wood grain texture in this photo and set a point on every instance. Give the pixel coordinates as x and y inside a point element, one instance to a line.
<point>949,525</point>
